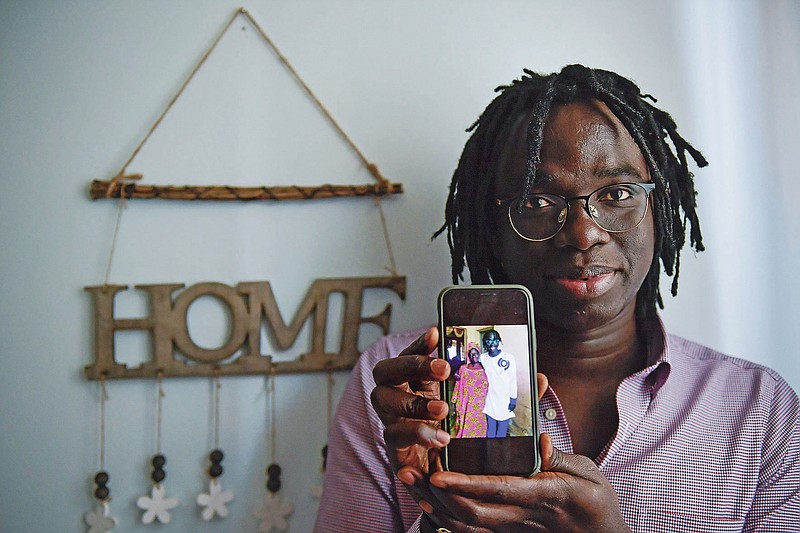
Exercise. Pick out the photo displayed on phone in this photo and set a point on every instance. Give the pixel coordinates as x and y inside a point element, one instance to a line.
<point>489,388</point>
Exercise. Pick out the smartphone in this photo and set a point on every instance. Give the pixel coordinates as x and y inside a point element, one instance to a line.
<point>487,337</point>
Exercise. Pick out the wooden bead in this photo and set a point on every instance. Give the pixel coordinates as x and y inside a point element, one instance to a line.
<point>274,485</point>
<point>158,475</point>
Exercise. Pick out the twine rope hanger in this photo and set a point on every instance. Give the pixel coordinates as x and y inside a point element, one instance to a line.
<point>118,186</point>
<point>102,429</point>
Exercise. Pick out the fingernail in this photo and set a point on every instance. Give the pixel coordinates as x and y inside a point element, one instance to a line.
<point>438,365</point>
<point>442,437</point>
<point>437,482</point>
<point>437,408</point>
<point>405,477</point>
<point>425,506</point>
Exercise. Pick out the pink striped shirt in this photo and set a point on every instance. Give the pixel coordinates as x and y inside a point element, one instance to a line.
<point>706,442</point>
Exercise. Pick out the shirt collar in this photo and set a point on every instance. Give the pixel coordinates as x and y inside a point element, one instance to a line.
<point>659,361</point>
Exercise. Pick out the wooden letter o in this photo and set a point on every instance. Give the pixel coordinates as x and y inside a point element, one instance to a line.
<point>224,293</point>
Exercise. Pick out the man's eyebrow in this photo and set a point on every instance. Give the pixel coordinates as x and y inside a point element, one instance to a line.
<point>619,170</point>
<point>543,178</point>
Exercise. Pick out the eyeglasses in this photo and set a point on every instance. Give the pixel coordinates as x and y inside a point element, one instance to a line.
<point>615,208</point>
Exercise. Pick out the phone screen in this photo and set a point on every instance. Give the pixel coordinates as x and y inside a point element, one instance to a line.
<point>488,340</point>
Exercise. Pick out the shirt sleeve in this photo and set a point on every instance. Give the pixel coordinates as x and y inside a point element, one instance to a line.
<point>360,490</point>
<point>776,506</point>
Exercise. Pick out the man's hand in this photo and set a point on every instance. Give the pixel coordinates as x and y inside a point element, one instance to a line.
<point>512,404</point>
<point>406,398</point>
<point>570,494</point>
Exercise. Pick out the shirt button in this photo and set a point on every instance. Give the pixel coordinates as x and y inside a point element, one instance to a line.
<point>550,414</point>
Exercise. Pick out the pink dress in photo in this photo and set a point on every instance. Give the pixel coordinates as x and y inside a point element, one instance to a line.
<point>469,396</point>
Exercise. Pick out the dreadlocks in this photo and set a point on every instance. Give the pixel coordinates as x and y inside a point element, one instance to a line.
<point>469,205</point>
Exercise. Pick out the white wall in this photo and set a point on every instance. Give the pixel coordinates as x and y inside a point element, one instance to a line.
<point>81,83</point>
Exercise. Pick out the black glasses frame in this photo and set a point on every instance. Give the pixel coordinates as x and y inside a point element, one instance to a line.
<point>648,188</point>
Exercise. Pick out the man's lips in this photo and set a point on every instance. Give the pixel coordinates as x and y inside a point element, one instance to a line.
<point>585,282</point>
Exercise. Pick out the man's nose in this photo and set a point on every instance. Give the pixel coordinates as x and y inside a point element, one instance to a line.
<point>580,230</point>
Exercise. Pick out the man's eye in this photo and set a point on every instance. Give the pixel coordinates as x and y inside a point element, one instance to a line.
<point>537,202</point>
<point>616,194</point>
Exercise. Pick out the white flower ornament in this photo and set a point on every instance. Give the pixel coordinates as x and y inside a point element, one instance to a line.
<point>156,506</point>
<point>273,513</point>
<point>98,519</point>
<point>214,501</point>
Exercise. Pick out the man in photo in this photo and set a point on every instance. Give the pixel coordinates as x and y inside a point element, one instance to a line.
<point>501,371</point>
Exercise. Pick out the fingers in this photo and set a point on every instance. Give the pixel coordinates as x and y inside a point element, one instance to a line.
<point>559,471</point>
<point>402,435</point>
<point>570,494</point>
<point>411,368</point>
<point>392,403</point>
<point>413,364</point>
<point>459,511</point>
<point>416,482</point>
<point>541,384</point>
<point>424,345</point>
<point>554,460</point>
<point>449,523</point>
<point>484,488</point>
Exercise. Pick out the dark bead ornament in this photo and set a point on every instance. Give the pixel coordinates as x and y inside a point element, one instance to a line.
<point>158,474</point>
<point>273,478</point>
<point>215,470</point>
<point>101,491</point>
<point>324,457</point>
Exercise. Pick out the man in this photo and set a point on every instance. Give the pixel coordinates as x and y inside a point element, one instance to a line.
<point>453,356</point>
<point>583,188</point>
<point>501,371</point>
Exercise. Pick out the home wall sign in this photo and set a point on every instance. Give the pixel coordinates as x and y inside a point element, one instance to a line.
<point>251,305</point>
<point>251,310</point>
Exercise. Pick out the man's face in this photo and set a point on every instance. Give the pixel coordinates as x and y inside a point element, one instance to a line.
<point>583,277</point>
<point>492,342</point>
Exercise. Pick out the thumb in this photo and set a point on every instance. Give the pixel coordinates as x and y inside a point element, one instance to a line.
<point>554,460</point>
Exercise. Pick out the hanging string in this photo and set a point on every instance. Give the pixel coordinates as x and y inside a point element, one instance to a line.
<point>272,431</point>
<point>217,387</point>
<point>158,414</point>
<point>373,169</point>
<point>102,444</point>
<point>121,177</point>
<point>114,241</point>
<point>330,400</point>
<point>119,180</point>
<point>121,174</point>
<point>392,268</point>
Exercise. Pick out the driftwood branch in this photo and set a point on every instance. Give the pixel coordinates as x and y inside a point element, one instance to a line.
<point>100,189</point>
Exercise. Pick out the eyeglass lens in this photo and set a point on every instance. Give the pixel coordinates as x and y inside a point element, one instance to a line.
<point>616,208</point>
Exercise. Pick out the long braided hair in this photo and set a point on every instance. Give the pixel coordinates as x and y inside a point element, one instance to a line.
<point>470,205</point>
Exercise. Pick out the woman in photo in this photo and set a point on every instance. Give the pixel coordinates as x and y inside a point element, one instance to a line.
<point>469,397</point>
